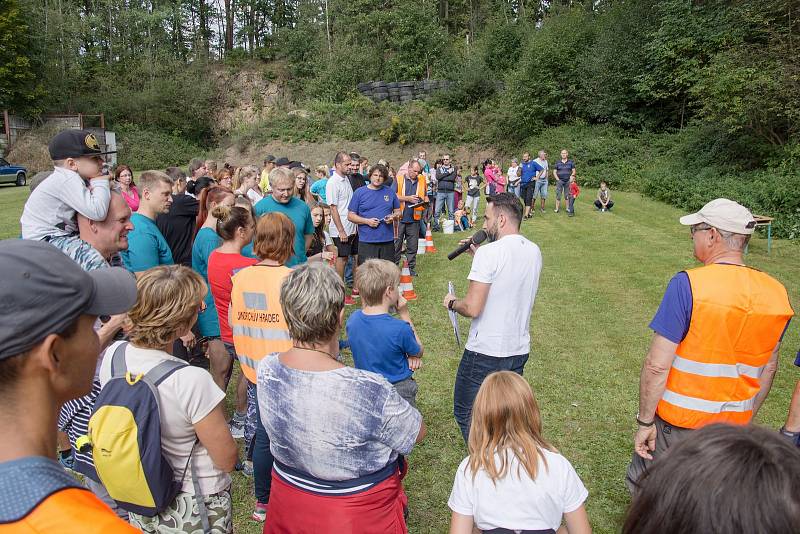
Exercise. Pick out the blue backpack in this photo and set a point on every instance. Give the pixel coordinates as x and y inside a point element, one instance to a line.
<point>125,439</point>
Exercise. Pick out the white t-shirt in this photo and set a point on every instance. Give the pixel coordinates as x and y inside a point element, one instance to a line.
<point>186,397</point>
<point>517,502</point>
<point>542,176</point>
<point>513,174</point>
<point>512,266</point>
<point>338,192</point>
<point>254,196</point>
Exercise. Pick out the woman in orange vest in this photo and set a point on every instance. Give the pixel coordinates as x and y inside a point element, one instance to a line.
<point>48,354</point>
<point>259,328</point>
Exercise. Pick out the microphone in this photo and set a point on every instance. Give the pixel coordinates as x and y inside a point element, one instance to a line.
<point>479,237</point>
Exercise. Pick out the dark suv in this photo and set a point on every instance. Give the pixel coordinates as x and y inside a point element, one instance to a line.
<point>12,173</point>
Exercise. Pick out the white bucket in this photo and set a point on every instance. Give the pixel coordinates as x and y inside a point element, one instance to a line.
<point>421,246</point>
<point>448,226</point>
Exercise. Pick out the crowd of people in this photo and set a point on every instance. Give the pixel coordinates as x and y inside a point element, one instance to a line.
<point>130,302</point>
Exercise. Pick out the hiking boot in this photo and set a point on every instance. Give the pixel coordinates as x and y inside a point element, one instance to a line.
<point>247,468</point>
<point>412,272</point>
<point>260,512</point>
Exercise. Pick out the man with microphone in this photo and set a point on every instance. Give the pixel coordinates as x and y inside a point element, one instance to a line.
<point>502,287</point>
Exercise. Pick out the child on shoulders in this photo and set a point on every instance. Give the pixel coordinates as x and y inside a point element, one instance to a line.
<point>379,342</point>
<point>76,186</point>
<point>513,479</point>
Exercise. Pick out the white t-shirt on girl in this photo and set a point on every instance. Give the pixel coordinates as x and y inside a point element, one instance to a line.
<point>516,502</point>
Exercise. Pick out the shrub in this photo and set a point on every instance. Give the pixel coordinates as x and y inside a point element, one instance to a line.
<point>152,149</point>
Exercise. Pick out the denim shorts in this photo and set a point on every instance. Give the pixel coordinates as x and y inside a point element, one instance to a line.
<point>541,189</point>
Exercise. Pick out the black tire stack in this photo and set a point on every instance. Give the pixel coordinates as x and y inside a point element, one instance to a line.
<point>404,91</point>
<point>379,91</point>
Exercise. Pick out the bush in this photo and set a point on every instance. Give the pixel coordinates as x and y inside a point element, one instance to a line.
<point>152,149</point>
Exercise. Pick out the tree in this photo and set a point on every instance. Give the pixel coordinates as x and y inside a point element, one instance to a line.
<point>19,89</point>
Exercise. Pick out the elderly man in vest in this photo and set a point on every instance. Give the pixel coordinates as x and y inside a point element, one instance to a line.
<point>717,335</point>
<point>410,192</point>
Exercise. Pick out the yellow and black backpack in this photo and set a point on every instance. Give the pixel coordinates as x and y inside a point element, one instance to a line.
<point>125,438</point>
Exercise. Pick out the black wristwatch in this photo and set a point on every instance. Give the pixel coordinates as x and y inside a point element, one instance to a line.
<point>642,423</point>
<point>451,304</point>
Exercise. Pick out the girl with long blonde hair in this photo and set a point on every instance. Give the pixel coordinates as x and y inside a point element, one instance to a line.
<point>513,478</point>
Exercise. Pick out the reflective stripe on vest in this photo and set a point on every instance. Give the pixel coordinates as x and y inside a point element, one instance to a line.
<point>738,316</point>
<point>256,318</point>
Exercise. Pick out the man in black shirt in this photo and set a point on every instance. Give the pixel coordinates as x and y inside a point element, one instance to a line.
<point>356,178</point>
<point>178,224</point>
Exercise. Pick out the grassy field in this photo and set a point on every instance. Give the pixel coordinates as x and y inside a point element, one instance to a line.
<point>603,277</point>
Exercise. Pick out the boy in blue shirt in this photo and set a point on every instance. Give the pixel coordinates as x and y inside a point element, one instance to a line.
<point>381,343</point>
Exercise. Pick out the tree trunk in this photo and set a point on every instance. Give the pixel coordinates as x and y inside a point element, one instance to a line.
<point>228,26</point>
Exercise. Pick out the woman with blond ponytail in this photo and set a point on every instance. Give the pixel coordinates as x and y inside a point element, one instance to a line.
<point>513,479</point>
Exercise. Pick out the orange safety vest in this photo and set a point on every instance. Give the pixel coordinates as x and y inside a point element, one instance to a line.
<point>738,317</point>
<point>401,191</point>
<point>256,318</point>
<point>70,511</point>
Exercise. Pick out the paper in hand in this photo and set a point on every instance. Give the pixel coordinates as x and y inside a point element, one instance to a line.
<point>451,289</point>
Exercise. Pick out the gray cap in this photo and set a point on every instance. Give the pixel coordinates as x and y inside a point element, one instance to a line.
<point>43,291</point>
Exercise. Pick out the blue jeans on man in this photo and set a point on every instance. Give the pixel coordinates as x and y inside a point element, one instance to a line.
<point>515,189</point>
<point>443,197</point>
<point>472,371</point>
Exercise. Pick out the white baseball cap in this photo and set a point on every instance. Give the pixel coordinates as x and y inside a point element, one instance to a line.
<point>723,214</point>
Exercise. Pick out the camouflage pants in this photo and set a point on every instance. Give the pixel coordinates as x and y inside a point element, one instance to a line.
<point>183,516</point>
<point>250,420</point>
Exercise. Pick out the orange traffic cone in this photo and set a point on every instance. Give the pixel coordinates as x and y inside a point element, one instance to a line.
<point>429,242</point>
<point>406,285</point>
<point>421,244</point>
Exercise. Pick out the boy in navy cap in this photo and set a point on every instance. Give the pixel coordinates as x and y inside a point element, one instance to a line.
<point>48,355</point>
<point>75,186</point>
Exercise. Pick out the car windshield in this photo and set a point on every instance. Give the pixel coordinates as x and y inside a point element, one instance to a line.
<point>3,162</point>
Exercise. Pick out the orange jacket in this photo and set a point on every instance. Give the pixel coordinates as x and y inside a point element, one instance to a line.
<point>70,511</point>
<point>401,191</point>
<point>738,317</point>
<point>256,318</point>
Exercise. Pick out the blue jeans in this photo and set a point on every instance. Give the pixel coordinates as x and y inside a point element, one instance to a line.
<point>472,371</point>
<point>515,189</point>
<point>262,460</point>
<point>441,198</point>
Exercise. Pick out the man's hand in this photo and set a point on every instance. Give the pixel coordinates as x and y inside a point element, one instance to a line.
<point>342,237</point>
<point>188,340</point>
<point>645,441</point>
<point>472,248</point>
<point>374,222</point>
<point>414,363</point>
<point>447,300</point>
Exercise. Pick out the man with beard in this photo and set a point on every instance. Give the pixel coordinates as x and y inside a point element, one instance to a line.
<point>502,287</point>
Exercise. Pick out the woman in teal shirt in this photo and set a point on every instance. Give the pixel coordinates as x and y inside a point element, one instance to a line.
<point>205,242</point>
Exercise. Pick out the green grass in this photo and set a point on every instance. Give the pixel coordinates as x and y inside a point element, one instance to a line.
<point>603,277</point>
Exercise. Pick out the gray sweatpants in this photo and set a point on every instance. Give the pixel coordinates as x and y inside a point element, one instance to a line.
<point>666,436</point>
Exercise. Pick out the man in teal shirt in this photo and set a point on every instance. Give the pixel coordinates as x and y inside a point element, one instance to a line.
<point>146,244</point>
<point>282,200</point>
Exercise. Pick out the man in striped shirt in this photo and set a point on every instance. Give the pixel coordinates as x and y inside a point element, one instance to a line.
<point>106,238</point>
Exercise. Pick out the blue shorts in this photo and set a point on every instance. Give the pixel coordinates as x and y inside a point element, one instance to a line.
<point>541,189</point>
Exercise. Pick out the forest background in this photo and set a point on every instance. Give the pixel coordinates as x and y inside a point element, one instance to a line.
<point>681,100</point>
